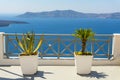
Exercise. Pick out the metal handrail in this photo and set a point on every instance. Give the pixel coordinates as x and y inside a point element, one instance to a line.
<point>13,34</point>
<point>59,44</point>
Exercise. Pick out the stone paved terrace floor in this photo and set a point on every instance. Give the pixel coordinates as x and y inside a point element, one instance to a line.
<point>61,73</point>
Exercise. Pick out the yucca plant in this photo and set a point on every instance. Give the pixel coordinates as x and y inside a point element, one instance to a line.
<point>84,35</point>
<point>27,44</point>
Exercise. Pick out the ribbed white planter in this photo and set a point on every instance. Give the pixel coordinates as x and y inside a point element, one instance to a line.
<point>83,63</point>
<point>29,64</point>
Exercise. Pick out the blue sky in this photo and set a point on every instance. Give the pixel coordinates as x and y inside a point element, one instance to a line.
<point>87,6</point>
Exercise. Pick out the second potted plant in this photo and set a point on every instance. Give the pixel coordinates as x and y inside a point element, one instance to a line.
<point>83,59</point>
<point>29,54</point>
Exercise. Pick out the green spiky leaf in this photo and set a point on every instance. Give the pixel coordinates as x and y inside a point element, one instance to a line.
<point>27,44</point>
<point>84,35</point>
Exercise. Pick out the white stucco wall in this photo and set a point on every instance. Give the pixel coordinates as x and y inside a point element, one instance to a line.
<point>116,46</point>
<point>1,45</point>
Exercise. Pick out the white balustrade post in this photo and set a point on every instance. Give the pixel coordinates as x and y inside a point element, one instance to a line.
<point>116,46</point>
<point>1,45</point>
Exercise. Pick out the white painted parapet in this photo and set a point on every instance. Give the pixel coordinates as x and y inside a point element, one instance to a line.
<point>116,46</point>
<point>1,45</point>
<point>65,62</point>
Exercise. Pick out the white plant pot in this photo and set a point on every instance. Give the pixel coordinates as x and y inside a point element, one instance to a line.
<point>29,64</point>
<point>83,63</point>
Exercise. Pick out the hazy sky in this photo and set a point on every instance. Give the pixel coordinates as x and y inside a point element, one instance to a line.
<point>90,6</point>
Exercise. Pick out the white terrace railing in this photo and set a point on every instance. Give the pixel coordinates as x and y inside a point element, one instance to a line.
<point>58,49</point>
<point>62,46</point>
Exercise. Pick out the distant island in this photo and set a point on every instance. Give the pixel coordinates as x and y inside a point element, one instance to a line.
<point>68,14</point>
<point>4,23</point>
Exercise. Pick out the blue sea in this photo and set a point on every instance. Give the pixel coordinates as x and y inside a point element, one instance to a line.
<point>61,25</point>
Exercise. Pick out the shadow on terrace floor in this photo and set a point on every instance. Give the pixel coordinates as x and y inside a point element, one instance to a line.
<point>39,74</point>
<point>94,74</point>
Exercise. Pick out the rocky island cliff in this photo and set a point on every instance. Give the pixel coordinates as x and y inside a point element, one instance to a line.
<point>68,14</point>
<point>4,23</point>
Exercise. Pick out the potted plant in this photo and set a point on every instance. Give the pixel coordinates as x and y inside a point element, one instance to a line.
<point>29,53</point>
<point>83,59</point>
